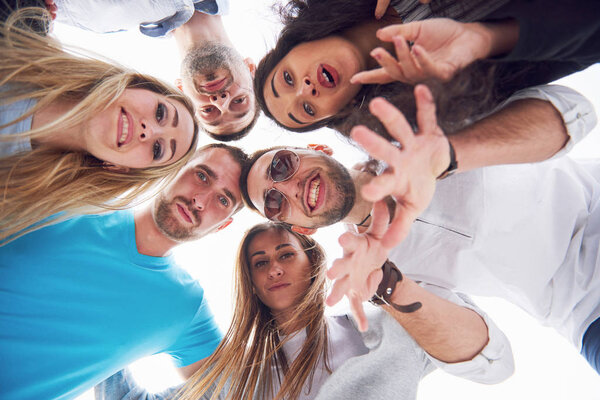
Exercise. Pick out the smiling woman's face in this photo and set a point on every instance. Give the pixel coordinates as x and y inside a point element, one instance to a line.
<point>140,129</point>
<point>279,268</point>
<point>312,82</point>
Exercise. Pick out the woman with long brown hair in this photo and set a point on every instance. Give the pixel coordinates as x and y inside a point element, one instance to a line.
<point>281,345</point>
<point>78,134</point>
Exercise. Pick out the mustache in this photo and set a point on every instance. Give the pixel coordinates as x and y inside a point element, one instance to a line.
<point>190,206</point>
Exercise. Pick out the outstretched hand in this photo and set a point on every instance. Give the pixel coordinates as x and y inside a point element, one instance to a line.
<point>358,273</point>
<point>413,167</point>
<point>440,47</point>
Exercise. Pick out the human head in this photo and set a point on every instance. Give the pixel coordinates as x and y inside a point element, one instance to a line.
<point>307,21</point>
<point>318,175</point>
<point>272,253</point>
<point>219,82</point>
<point>58,182</point>
<point>203,196</point>
<point>140,129</point>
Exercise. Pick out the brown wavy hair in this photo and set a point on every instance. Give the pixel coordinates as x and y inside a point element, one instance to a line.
<point>245,358</point>
<point>47,185</point>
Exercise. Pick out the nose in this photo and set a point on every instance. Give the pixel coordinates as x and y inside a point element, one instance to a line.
<point>201,201</point>
<point>290,188</point>
<point>220,99</point>
<point>148,131</point>
<point>275,271</point>
<point>307,88</point>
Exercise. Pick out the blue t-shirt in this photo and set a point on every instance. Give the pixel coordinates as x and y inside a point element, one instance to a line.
<point>78,303</point>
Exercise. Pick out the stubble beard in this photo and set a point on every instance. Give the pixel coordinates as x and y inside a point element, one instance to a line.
<point>205,60</point>
<point>345,193</point>
<point>169,225</point>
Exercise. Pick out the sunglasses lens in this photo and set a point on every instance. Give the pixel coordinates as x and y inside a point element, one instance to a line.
<point>275,204</point>
<point>285,164</point>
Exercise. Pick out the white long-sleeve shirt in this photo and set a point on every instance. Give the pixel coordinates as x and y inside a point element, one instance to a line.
<point>527,233</point>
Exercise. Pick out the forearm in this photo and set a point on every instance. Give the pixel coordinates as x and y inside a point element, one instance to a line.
<point>447,331</point>
<point>527,130</point>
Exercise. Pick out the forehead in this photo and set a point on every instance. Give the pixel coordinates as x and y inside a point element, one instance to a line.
<point>268,240</point>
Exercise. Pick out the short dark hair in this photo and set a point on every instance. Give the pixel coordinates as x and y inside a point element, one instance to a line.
<point>239,134</point>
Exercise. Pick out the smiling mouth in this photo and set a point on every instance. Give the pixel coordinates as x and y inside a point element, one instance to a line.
<point>124,135</point>
<point>327,76</point>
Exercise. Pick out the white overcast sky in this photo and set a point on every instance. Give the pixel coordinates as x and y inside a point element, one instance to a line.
<point>547,366</point>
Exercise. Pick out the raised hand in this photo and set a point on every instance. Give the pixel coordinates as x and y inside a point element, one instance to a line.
<point>440,47</point>
<point>413,167</point>
<point>358,273</point>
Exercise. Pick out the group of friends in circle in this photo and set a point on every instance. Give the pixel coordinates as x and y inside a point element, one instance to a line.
<point>467,191</point>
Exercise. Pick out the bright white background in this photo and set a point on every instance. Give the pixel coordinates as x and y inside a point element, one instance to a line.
<point>547,366</point>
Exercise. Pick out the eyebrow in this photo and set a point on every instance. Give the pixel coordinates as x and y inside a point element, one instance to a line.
<point>273,86</point>
<point>296,119</point>
<point>173,148</point>
<point>212,175</point>
<point>276,248</point>
<point>175,115</point>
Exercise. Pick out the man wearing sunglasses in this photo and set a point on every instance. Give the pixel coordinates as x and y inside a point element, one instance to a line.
<point>527,233</point>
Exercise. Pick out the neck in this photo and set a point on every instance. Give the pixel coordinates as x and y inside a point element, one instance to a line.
<point>71,138</point>
<point>149,239</point>
<point>361,207</point>
<point>201,28</point>
<point>282,318</point>
<point>364,37</point>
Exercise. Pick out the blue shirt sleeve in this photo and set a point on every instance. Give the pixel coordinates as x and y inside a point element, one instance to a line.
<point>199,340</point>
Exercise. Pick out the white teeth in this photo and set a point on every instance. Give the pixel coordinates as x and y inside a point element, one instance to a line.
<point>328,77</point>
<point>313,195</point>
<point>125,129</point>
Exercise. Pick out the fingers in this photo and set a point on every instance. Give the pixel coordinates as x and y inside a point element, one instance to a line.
<point>339,268</point>
<point>410,66</point>
<point>380,217</point>
<point>378,147</point>
<point>381,8</point>
<point>398,229</point>
<point>374,76</point>
<point>389,64</point>
<point>358,312</point>
<point>339,288</point>
<point>349,242</point>
<point>429,67</point>
<point>410,31</point>
<point>426,118</point>
<point>373,281</point>
<point>381,186</point>
<point>393,120</point>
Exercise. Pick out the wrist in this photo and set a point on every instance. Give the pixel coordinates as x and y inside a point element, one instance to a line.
<point>391,288</point>
<point>500,37</point>
<point>452,163</point>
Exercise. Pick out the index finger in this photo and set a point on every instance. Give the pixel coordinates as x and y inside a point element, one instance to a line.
<point>410,31</point>
<point>358,312</point>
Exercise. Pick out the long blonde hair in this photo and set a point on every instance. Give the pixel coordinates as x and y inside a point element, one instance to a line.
<point>38,184</point>
<point>251,347</point>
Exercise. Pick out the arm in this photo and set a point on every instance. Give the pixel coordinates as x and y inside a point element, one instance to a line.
<point>458,337</point>
<point>533,125</point>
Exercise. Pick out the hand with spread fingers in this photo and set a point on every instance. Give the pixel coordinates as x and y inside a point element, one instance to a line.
<point>413,167</point>
<point>358,273</point>
<point>433,48</point>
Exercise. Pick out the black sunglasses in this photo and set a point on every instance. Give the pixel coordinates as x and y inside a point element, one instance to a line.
<point>284,165</point>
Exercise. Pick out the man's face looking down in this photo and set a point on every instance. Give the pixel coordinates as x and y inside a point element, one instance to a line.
<point>201,199</point>
<point>320,193</point>
<point>219,82</point>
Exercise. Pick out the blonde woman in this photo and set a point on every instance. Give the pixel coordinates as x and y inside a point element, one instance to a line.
<point>78,134</point>
<point>281,345</point>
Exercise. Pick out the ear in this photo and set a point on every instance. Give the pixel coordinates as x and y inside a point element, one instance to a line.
<point>114,168</point>
<point>251,66</point>
<point>303,231</point>
<point>225,224</point>
<point>322,148</point>
<point>179,84</point>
